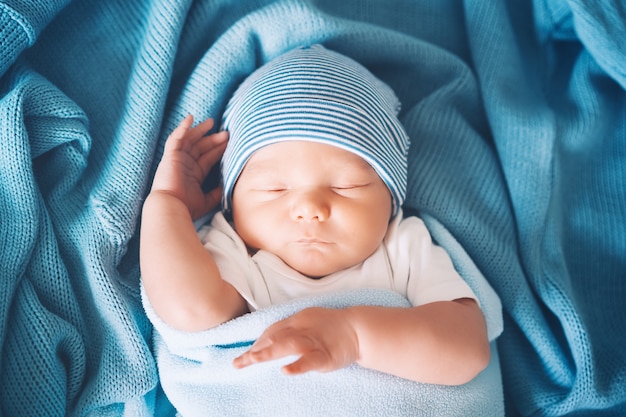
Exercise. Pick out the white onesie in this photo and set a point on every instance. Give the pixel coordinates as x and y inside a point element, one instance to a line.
<point>407,262</point>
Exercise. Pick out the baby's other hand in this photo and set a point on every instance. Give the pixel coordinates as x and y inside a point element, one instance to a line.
<point>323,338</point>
<point>188,157</point>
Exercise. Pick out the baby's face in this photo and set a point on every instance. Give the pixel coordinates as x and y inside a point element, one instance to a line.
<point>317,207</point>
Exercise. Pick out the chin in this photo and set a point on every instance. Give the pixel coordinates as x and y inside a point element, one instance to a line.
<point>313,270</point>
<point>315,265</point>
<point>313,273</point>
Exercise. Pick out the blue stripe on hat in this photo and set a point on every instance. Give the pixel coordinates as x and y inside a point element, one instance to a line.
<point>317,95</point>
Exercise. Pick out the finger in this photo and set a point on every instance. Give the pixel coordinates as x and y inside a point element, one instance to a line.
<point>200,130</point>
<point>176,138</point>
<point>185,124</point>
<point>197,142</point>
<point>267,349</point>
<point>211,141</point>
<point>246,359</point>
<point>260,351</point>
<point>310,361</point>
<point>242,361</point>
<point>211,156</point>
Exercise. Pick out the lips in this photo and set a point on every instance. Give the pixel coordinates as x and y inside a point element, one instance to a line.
<point>311,241</point>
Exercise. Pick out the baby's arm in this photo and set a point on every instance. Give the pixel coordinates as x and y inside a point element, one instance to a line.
<point>179,276</point>
<point>442,342</point>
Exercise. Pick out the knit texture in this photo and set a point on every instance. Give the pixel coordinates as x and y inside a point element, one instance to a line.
<point>516,114</point>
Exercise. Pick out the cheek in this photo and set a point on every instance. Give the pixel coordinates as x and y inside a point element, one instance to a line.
<point>244,225</point>
<point>253,225</point>
<point>372,232</point>
<point>379,216</point>
<point>367,225</point>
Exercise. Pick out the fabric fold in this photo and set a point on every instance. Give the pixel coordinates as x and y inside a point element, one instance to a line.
<point>516,115</point>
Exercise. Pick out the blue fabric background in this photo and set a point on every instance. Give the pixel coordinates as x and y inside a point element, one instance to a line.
<point>517,114</point>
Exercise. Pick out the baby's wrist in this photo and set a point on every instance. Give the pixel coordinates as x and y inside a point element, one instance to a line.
<point>165,199</point>
<point>353,316</point>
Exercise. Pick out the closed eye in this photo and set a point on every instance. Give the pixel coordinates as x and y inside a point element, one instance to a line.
<point>349,189</point>
<point>268,193</point>
<point>271,189</point>
<point>349,186</point>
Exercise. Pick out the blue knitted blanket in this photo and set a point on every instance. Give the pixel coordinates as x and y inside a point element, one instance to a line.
<point>517,115</point>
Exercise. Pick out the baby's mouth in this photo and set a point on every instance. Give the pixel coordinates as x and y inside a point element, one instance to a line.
<point>311,241</point>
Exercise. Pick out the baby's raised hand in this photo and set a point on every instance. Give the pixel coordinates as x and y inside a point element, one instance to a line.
<point>187,159</point>
<point>324,339</point>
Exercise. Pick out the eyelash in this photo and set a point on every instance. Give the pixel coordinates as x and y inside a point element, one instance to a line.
<point>271,189</point>
<point>349,187</point>
<point>337,188</point>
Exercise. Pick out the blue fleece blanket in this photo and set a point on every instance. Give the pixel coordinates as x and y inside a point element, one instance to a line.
<point>198,376</point>
<point>517,114</point>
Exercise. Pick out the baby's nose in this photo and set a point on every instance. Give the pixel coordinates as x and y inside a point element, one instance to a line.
<point>310,205</point>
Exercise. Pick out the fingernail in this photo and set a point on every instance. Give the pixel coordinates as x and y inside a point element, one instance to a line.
<point>220,137</point>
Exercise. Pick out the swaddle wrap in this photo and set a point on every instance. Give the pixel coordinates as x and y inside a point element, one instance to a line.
<point>198,376</point>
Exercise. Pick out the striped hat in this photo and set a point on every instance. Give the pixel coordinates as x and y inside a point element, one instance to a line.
<point>317,95</point>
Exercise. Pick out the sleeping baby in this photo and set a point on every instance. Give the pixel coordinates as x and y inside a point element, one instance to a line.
<point>314,168</point>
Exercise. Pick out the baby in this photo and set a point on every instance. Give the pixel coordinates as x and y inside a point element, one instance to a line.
<point>314,169</point>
